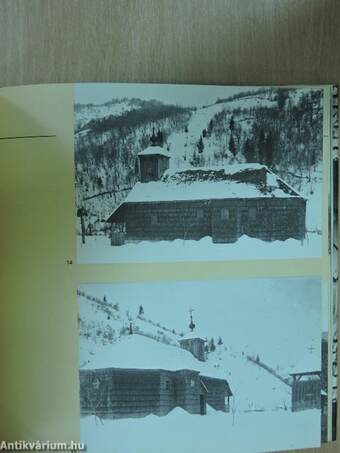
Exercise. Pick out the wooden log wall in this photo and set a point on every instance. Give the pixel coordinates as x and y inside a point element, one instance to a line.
<point>175,220</point>
<point>188,391</point>
<point>306,394</point>
<point>275,219</point>
<point>121,393</point>
<point>217,396</point>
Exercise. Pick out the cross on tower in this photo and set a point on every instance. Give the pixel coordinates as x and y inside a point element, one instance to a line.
<point>153,138</point>
<point>191,325</point>
<point>311,348</point>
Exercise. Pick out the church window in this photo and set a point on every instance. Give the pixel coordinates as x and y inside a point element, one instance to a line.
<point>96,383</point>
<point>154,219</point>
<point>148,168</point>
<point>200,213</point>
<point>252,213</point>
<point>224,214</point>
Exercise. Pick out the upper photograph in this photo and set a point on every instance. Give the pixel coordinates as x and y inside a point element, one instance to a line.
<point>197,173</point>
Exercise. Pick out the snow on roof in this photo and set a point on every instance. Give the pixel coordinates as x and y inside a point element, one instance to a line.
<point>140,352</point>
<point>228,168</point>
<point>154,150</point>
<point>211,183</point>
<point>192,335</point>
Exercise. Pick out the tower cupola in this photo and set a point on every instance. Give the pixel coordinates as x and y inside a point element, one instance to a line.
<point>154,160</point>
<point>192,342</point>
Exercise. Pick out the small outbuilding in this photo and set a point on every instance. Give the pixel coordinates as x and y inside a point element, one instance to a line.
<point>306,387</point>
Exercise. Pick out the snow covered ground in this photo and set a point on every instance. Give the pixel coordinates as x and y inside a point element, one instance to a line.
<point>98,250</point>
<point>216,432</point>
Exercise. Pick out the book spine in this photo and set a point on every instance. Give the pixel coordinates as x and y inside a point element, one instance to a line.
<point>334,235</point>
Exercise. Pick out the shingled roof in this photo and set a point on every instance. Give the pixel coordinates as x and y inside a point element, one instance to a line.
<point>202,183</point>
<point>139,352</point>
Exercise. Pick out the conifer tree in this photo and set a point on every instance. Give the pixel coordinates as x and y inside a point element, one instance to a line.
<point>232,124</point>
<point>249,150</point>
<point>195,161</point>
<point>160,139</point>
<point>261,146</point>
<point>232,145</point>
<point>136,167</point>
<point>210,126</point>
<point>200,145</point>
<point>282,96</point>
<point>212,346</point>
<point>269,149</point>
<point>153,138</point>
<point>100,182</point>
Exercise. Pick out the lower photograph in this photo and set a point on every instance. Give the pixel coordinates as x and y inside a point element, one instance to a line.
<point>197,366</point>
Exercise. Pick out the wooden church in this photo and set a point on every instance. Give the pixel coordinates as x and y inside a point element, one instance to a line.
<point>132,392</point>
<point>221,202</point>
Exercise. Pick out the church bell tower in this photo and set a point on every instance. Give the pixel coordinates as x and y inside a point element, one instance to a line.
<point>154,160</point>
<point>193,342</point>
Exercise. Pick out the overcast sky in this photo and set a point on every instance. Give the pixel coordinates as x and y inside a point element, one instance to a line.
<point>185,95</point>
<point>279,318</point>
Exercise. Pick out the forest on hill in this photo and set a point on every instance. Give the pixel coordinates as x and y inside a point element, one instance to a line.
<point>278,127</point>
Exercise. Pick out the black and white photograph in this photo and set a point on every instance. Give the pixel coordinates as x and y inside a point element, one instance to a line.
<point>197,173</point>
<point>246,372</point>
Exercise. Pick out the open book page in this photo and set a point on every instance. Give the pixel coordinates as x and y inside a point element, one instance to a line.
<point>38,319</point>
<point>169,244</point>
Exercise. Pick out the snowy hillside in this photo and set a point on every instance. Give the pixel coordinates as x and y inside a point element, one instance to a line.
<point>207,141</point>
<point>85,113</point>
<point>278,128</point>
<point>184,145</point>
<point>103,323</point>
